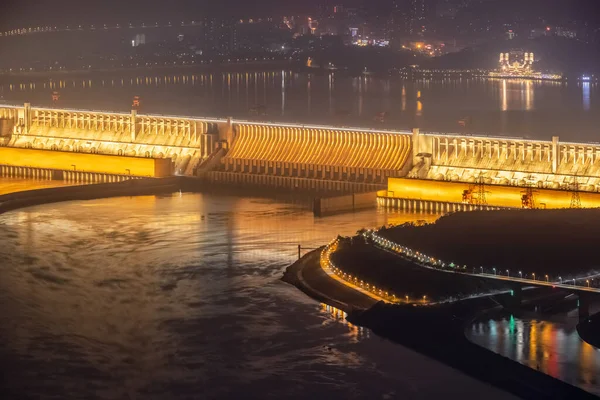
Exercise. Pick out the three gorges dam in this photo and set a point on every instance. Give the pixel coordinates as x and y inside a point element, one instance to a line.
<point>427,171</point>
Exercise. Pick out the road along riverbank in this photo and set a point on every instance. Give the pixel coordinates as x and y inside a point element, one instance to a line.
<point>435,330</point>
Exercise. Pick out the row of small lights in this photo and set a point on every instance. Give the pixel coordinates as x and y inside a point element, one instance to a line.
<point>439,264</point>
<point>149,64</point>
<point>326,262</point>
<point>40,29</point>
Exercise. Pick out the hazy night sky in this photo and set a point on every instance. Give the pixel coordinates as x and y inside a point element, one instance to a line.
<point>25,12</point>
<point>21,13</point>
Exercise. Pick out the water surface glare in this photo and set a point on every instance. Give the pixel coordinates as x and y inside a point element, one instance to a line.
<point>179,297</point>
<point>551,345</point>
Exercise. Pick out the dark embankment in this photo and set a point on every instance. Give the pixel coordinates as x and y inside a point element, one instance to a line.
<point>306,274</point>
<point>555,242</point>
<point>589,330</point>
<point>139,187</point>
<point>435,330</point>
<point>438,332</point>
<point>402,277</point>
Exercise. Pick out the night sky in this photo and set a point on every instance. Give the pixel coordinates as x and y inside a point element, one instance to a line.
<point>21,13</point>
<point>25,12</point>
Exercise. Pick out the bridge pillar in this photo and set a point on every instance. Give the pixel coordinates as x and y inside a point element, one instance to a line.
<point>554,154</point>
<point>583,306</point>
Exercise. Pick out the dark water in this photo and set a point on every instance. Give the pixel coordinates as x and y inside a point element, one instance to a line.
<point>537,110</point>
<point>180,297</point>
<point>552,345</point>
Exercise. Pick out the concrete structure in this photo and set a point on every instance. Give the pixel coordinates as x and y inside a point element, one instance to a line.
<point>89,163</point>
<point>506,161</point>
<point>186,141</point>
<point>197,146</point>
<point>435,196</point>
<point>318,152</point>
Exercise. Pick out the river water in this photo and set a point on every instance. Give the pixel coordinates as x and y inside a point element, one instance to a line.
<point>551,345</point>
<point>536,110</point>
<point>11,185</point>
<point>180,297</point>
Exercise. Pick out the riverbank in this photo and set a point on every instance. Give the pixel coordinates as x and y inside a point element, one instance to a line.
<point>270,65</point>
<point>436,331</point>
<point>559,243</point>
<point>589,330</point>
<point>308,276</point>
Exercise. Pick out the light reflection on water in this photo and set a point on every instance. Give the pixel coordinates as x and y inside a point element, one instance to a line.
<point>180,297</point>
<point>554,347</point>
<point>11,185</point>
<point>509,107</point>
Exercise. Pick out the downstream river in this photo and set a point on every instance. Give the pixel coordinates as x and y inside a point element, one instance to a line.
<point>551,345</point>
<point>180,297</point>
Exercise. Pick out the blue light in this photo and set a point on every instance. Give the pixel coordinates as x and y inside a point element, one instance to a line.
<point>585,78</point>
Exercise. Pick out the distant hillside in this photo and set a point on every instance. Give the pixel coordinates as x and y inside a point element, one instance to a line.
<point>555,54</point>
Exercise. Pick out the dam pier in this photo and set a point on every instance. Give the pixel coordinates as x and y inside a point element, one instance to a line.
<point>407,169</point>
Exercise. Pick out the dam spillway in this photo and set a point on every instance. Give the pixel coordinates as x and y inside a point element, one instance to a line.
<point>196,146</point>
<point>319,152</point>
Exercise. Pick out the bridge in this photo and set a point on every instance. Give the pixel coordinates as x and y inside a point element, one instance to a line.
<point>357,159</point>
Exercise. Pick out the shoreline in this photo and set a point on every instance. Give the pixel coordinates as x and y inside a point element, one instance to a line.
<point>137,187</point>
<point>206,67</point>
<point>425,337</point>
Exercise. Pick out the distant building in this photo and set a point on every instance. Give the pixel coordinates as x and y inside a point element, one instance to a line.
<point>563,32</point>
<point>138,39</point>
<point>516,62</point>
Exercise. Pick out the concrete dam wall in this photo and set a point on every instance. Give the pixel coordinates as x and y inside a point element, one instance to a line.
<point>506,161</point>
<point>257,150</point>
<point>318,152</point>
<point>185,141</point>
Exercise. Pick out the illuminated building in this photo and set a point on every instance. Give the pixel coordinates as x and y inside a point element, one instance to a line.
<point>519,64</point>
<point>516,62</point>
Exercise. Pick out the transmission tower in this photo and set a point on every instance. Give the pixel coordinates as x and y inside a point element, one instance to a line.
<point>476,193</point>
<point>574,187</point>
<point>528,195</point>
<point>480,198</point>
